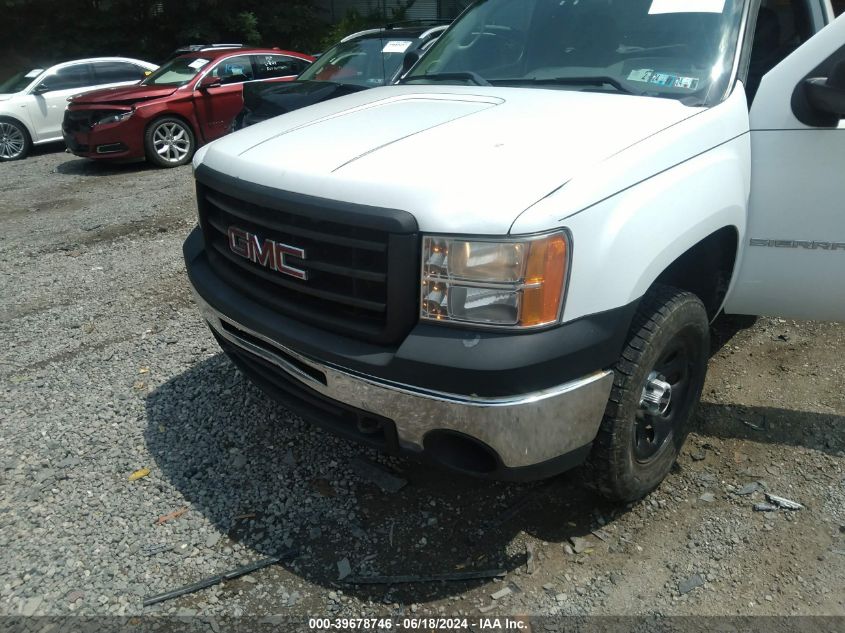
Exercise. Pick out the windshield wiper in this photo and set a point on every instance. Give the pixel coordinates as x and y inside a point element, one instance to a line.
<point>598,80</point>
<point>465,75</point>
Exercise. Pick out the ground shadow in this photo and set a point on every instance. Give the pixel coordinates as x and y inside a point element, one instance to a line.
<point>262,466</point>
<point>47,148</point>
<point>823,432</point>
<point>97,168</point>
<point>726,327</point>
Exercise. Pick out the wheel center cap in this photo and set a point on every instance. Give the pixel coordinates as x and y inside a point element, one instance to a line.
<point>657,395</point>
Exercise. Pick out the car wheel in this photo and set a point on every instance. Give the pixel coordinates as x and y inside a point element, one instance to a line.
<point>656,389</point>
<point>14,140</point>
<point>169,142</point>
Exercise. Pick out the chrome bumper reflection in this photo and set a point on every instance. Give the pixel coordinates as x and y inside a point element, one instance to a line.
<point>524,429</point>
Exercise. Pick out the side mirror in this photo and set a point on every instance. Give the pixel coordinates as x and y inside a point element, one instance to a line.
<point>210,82</point>
<point>41,88</point>
<point>410,60</point>
<point>827,95</point>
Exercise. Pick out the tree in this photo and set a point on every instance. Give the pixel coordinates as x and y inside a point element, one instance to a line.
<point>47,30</point>
<point>355,21</point>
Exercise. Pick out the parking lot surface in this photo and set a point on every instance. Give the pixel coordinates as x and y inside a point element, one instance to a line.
<point>107,369</point>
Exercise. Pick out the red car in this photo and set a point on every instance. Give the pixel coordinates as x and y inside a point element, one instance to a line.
<point>188,102</point>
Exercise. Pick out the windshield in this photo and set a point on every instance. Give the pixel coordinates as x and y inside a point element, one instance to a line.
<point>19,81</point>
<point>176,72</point>
<point>365,62</point>
<point>665,48</point>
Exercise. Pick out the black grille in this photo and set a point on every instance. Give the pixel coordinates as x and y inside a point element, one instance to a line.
<point>79,120</point>
<point>362,266</point>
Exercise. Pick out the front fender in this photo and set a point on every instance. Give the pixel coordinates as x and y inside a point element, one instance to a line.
<point>622,245</point>
<point>182,108</point>
<point>18,115</point>
<point>656,201</point>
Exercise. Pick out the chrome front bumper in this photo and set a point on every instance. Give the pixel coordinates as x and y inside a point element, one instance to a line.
<point>524,430</point>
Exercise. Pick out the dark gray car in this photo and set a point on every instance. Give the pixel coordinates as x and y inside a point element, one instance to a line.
<point>368,59</point>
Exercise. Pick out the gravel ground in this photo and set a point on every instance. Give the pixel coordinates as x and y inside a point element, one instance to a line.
<point>108,369</point>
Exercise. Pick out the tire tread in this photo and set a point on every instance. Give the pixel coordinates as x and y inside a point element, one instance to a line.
<point>656,308</point>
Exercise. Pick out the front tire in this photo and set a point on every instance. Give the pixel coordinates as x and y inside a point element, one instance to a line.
<point>15,143</point>
<point>169,142</point>
<point>656,389</point>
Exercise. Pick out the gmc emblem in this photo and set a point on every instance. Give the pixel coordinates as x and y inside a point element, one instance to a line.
<point>266,253</point>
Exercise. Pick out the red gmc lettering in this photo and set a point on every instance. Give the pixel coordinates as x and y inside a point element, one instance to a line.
<point>263,254</point>
<point>266,253</point>
<point>282,250</point>
<point>239,242</point>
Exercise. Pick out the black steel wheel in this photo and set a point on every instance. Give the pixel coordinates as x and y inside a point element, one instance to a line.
<point>664,395</point>
<point>657,385</point>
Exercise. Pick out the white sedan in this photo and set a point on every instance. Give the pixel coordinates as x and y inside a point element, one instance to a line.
<point>33,101</point>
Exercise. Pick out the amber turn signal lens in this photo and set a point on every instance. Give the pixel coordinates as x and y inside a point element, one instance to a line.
<point>545,274</point>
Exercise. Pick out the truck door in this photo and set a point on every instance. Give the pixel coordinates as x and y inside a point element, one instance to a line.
<point>792,262</point>
<point>217,106</point>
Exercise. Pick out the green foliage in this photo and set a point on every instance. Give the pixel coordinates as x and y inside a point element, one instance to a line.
<point>245,23</point>
<point>44,30</point>
<point>355,21</point>
<point>41,31</point>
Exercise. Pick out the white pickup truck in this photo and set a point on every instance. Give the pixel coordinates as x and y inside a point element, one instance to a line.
<point>509,262</point>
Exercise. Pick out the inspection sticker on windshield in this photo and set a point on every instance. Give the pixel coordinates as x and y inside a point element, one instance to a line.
<point>198,63</point>
<point>686,6</point>
<point>397,46</point>
<point>663,79</point>
<point>32,74</point>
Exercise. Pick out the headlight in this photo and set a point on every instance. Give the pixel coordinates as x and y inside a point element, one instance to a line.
<point>507,283</point>
<point>115,117</point>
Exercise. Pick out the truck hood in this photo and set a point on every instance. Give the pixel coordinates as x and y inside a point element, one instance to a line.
<point>460,159</point>
<point>124,95</point>
<point>6,97</point>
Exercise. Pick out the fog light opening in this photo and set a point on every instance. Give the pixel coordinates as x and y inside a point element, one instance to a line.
<point>461,452</point>
<point>111,148</point>
<point>369,426</point>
